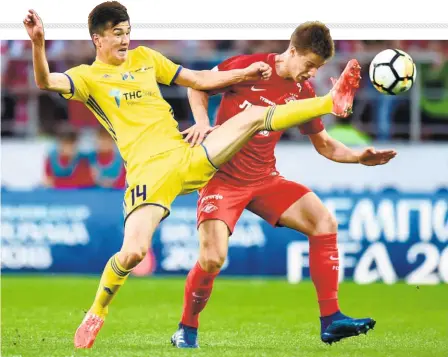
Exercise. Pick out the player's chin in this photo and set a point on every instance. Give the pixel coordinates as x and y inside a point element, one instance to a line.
<point>121,56</point>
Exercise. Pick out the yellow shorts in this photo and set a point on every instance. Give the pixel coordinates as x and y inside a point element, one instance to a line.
<point>160,179</point>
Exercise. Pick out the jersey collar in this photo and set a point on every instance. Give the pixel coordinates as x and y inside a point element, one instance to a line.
<point>100,63</point>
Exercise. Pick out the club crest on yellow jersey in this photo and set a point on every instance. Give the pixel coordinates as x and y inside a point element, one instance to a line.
<point>127,75</point>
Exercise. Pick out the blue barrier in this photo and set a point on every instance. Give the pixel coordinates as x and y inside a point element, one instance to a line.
<point>383,236</point>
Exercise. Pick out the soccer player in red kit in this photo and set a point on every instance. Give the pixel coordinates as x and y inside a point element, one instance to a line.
<point>250,181</point>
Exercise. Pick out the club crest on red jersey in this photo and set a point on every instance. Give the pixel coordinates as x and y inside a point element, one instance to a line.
<point>263,133</point>
<point>291,97</point>
<point>209,208</point>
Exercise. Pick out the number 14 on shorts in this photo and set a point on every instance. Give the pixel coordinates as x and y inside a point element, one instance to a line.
<point>137,192</point>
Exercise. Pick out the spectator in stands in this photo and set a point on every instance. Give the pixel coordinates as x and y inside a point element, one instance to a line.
<point>106,164</point>
<point>383,106</point>
<point>65,166</point>
<point>433,79</point>
<point>381,116</point>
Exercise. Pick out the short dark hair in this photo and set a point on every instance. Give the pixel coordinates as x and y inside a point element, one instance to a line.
<point>106,14</point>
<point>313,36</point>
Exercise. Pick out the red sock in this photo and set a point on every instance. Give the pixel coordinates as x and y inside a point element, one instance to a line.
<point>198,289</point>
<point>324,271</point>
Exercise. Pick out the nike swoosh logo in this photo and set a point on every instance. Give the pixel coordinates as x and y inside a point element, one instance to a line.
<point>333,258</point>
<point>257,89</point>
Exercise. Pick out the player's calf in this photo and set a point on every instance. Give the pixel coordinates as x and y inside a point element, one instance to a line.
<point>310,216</point>
<point>213,237</point>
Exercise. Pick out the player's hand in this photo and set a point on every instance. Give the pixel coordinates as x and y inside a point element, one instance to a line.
<point>372,157</point>
<point>257,71</point>
<point>34,27</point>
<point>197,133</point>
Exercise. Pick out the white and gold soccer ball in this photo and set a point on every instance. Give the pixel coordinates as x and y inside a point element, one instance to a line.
<point>392,72</point>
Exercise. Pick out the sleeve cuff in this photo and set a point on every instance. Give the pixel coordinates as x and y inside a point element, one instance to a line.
<point>176,74</point>
<point>72,89</point>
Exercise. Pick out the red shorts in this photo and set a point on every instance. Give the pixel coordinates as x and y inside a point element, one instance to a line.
<point>269,200</point>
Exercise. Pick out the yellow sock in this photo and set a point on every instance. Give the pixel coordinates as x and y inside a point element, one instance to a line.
<point>284,116</point>
<point>114,276</point>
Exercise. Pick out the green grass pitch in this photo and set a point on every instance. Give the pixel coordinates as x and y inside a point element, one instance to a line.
<point>243,318</point>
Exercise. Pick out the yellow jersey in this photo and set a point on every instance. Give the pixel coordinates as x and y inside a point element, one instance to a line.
<point>127,101</point>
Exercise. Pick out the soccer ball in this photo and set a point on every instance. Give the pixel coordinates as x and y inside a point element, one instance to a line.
<point>392,72</point>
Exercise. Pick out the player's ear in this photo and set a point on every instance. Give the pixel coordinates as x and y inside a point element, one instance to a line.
<point>292,51</point>
<point>96,40</point>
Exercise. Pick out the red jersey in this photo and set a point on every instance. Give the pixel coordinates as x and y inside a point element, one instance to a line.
<point>256,160</point>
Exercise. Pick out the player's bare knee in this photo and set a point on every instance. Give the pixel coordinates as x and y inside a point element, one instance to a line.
<point>212,254</point>
<point>135,246</point>
<point>212,260</point>
<point>131,258</point>
<point>326,223</point>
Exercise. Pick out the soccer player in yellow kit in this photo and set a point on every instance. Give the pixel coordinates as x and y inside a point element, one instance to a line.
<point>121,88</point>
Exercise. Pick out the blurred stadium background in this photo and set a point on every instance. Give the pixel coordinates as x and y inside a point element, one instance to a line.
<point>398,212</point>
<point>57,220</point>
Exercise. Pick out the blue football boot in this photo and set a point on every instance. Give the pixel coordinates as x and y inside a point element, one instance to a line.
<point>185,337</point>
<point>338,326</point>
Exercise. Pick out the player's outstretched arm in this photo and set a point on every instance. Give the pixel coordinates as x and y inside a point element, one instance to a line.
<point>336,151</point>
<point>211,80</point>
<point>57,82</point>
<point>199,107</point>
